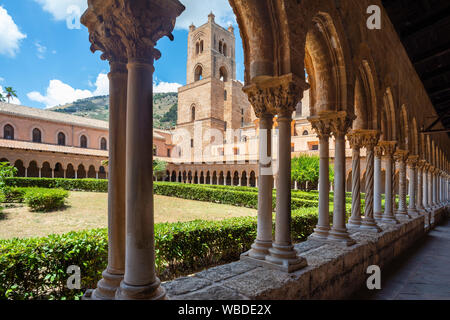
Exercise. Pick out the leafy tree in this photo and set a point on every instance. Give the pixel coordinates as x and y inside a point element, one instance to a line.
<point>6,171</point>
<point>2,98</point>
<point>10,93</point>
<point>306,169</point>
<point>159,168</point>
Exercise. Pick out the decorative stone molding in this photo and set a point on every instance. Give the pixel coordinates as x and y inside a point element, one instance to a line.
<point>370,139</point>
<point>378,151</point>
<point>412,161</point>
<point>388,148</point>
<point>321,123</point>
<point>130,26</point>
<point>356,138</point>
<point>275,95</point>
<point>401,155</point>
<point>341,123</point>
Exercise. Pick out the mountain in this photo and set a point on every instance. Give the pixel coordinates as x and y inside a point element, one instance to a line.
<point>165,107</point>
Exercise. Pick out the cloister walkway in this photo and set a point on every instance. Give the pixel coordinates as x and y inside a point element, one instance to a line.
<point>421,273</point>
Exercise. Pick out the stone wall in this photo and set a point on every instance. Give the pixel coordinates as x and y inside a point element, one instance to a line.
<point>333,272</point>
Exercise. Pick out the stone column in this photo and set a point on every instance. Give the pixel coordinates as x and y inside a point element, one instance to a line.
<point>260,248</point>
<point>295,185</point>
<point>430,187</point>
<point>370,140</point>
<point>419,196</point>
<point>240,181</point>
<point>26,172</point>
<point>434,184</point>
<point>53,172</point>
<point>412,167</point>
<point>76,173</point>
<point>40,172</point>
<point>401,156</point>
<point>114,273</point>
<point>322,126</point>
<point>426,166</point>
<point>388,150</point>
<point>377,181</point>
<point>355,139</point>
<point>340,126</point>
<point>96,172</point>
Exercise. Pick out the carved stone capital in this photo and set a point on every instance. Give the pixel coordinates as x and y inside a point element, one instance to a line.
<point>275,95</point>
<point>388,148</point>
<point>321,123</point>
<point>129,29</point>
<point>378,151</point>
<point>342,123</point>
<point>421,164</point>
<point>401,155</point>
<point>356,139</point>
<point>412,161</point>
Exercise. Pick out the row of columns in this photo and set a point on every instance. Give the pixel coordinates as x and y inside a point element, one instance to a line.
<point>64,173</point>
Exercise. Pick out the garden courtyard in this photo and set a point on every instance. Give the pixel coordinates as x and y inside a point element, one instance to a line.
<point>88,210</point>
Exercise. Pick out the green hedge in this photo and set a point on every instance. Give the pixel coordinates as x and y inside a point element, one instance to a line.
<point>14,194</point>
<point>220,195</point>
<point>45,200</point>
<point>36,268</point>
<point>92,185</point>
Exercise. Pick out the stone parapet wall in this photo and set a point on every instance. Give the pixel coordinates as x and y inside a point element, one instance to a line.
<point>333,272</point>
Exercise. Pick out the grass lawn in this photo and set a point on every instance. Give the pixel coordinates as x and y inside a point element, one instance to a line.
<point>88,210</point>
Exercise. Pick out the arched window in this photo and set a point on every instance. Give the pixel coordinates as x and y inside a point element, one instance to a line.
<point>305,133</point>
<point>224,49</point>
<point>61,139</point>
<point>201,46</point>
<point>8,132</point>
<point>197,48</point>
<point>198,73</point>
<point>223,74</point>
<point>225,95</point>
<point>103,144</point>
<point>37,135</point>
<point>83,141</point>
<point>220,46</point>
<point>193,113</point>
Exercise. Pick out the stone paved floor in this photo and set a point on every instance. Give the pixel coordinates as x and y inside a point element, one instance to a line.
<point>421,273</point>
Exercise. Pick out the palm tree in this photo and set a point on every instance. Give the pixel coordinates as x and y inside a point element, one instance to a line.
<point>10,93</point>
<point>2,98</point>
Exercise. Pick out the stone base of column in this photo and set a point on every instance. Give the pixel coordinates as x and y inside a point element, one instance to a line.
<point>288,262</point>
<point>259,250</point>
<point>413,212</point>
<point>390,220</point>
<point>354,222</point>
<point>341,236</point>
<point>106,287</point>
<point>152,291</point>
<point>378,215</point>
<point>320,233</point>
<point>370,224</point>
<point>402,214</point>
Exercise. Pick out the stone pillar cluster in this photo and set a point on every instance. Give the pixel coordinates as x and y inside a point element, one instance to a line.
<point>126,33</point>
<point>275,96</point>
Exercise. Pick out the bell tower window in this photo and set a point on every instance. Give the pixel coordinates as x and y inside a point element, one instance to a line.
<point>198,73</point>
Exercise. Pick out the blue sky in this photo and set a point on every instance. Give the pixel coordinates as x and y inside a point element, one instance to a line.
<point>45,57</point>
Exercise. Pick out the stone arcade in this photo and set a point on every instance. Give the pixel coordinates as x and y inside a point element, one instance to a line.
<point>358,88</point>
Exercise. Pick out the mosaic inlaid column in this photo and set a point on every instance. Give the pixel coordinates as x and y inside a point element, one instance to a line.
<point>371,138</point>
<point>430,186</point>
<point>388,150</point>
<point>340,127</point>
<point>425,185</point>
<point>355,139</point>
<point>401,156</point>
<point>419,195</point>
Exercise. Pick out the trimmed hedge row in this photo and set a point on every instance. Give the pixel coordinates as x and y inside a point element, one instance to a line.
<point>92,185</point>
<point>218,195</point>
<point>38,199</point>
<point>36,268</point>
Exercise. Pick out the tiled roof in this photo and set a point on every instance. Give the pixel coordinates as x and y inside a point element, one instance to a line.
<point>51,148</point>
<point>42,114</point>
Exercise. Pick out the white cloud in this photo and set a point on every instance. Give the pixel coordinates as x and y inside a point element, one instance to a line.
<point>102,84</point>
<point>13,100</point>
<point>59,8</point>
<point>2,79</point>
<point>162,87</point>
<point>59,93</point>
<point>197,12</point>
<point>41,50</point>
<point>10,34</point>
